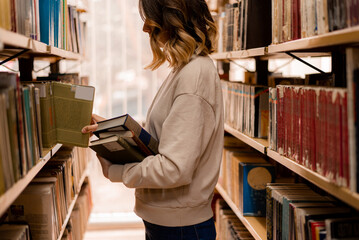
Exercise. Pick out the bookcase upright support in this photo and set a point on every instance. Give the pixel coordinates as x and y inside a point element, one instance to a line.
<point>339,67</point>
<point>262,71</point>
<point>26,66</point>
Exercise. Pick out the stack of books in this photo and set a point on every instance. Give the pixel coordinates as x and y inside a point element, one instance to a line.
<point>122,140</point>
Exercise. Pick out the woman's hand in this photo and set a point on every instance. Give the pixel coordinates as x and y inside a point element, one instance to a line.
<point>105,164</point>
<point>91,128</point>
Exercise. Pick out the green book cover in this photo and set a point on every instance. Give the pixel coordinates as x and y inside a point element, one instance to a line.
<point>73,110</point>
<point>48,128</point>
<point>65,110</point>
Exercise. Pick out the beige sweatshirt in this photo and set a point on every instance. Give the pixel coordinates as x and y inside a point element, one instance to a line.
<point>175,187</point>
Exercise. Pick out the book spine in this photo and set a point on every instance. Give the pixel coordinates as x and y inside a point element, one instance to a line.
<point>345,141</point>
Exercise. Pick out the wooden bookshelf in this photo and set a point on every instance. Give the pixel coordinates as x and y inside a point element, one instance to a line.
<point>72,205</point>
<point>255,225</point>
<point>257,143</point>
<point>11,194</point>
<point>340,37</point>
<point>250,53</point>
<point>63,53</point>
<point>342,193</point>
<point>13,42</point>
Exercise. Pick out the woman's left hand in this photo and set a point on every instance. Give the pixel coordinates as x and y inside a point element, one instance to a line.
<point>105,164</point>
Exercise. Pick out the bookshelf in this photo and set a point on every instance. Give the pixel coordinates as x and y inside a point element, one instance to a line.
<point>342,193</point>
<point>72,205</point>
<point>13,42</point>
<point>14,45</point>
<point>255,225</point>
<point>340,37</point>
<point>250,53</point>
<point>330,44</point>
<point>11,194</point>
<point>257,143</point>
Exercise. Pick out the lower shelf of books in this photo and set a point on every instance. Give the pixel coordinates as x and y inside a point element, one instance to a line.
<point>342,193</point>
<point>11,194</point>
<point>255,225</point>
<point>72,205</point>
<point>257,143</point>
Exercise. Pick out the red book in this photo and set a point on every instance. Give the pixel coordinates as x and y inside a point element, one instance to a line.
<point>280,113</point>
<point>344,140</point>
<point>311,123</point>
<point>304,127</point>
<point>335,131</point>
<point>324,140</point>
<point>296,124</point>
<point>288,121</point>
<point>296,21</point>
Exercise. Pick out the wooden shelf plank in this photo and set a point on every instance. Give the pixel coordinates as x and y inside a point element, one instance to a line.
<point>72,205</point>
<point>342,193</point>
<point>339,37</point>
<point>12,40</point>
<point>11,194</point>
<point>63,53</point>
<point>257,143</point>
<point>255,52</point>
<point>255,225</point>
<point>16,40</point>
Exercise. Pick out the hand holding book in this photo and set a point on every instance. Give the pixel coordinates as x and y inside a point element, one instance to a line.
<point>121,139</point>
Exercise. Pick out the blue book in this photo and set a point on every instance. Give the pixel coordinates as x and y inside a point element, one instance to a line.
<point>44,12</point>
<point>56,22</point>
<point>253,178</point>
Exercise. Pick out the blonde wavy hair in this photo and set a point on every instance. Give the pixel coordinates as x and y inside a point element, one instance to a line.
<point>188,26</point>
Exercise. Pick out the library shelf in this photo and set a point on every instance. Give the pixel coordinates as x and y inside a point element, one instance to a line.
<point>13,42</point>
<point>11,194</point>
<point>72,205</point>
<point>63,53</point>
<point>340,37</point>
<point>249,53</point>
<point>342,193</point>
<point>255,225</point>
<point>257,143</point>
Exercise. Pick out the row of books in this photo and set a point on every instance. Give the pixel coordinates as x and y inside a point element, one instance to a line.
<point>244,175</point>
<point>48,197</point>
<point>53,22</point>
<point>294,211</point>
<point>229,227</point>
<point>76,226</point>
<point>237,25</point>
<point>294,19</point>
<point>246,108</point>
<point>37,115</point>
<point>310,126</point>
<point>21,142</point>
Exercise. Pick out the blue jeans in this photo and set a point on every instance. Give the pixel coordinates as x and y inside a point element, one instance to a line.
<point>201,231</point>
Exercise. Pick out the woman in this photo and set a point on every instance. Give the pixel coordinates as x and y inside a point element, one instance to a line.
<point>174,188</point>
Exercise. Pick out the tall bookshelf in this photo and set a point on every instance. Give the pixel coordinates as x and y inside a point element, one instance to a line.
<point>326,44</point>
<point>17,46</point>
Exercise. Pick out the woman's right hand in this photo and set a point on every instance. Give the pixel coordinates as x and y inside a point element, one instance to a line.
<point>93,125</point>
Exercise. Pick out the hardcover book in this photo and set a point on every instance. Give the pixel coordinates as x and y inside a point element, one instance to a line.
<point>126,122</point>
<point>117,150</point>
<point>65,110</point>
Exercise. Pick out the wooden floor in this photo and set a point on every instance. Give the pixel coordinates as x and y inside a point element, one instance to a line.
<point>112,215</point>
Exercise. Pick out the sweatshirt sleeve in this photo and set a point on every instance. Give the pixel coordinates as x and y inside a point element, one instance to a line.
<point>185,135</point>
